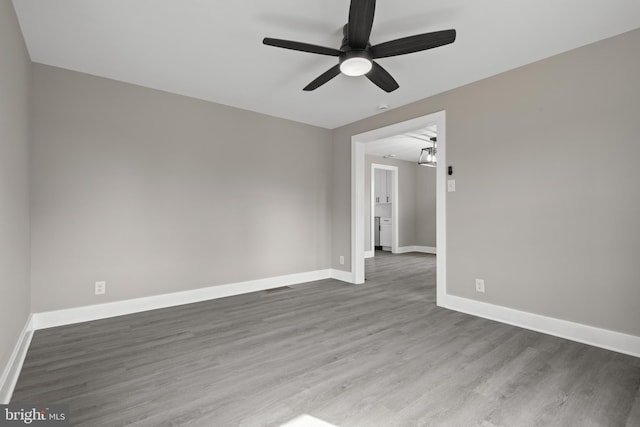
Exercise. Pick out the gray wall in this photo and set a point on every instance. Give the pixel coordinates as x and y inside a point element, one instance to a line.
<point>547,207</point>
<point>14,184</point>
<point>158,193</point>
<point>417,202</point>
<point>425,206</point>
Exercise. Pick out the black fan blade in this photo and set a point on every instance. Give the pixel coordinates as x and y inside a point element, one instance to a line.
<point>413,44</point>
<point>323,78</point>
<point>302,47</point>
<point>360,22</point>
<point>381,78</point>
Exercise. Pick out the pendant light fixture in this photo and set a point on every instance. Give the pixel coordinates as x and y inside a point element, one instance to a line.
<point>428,155</point>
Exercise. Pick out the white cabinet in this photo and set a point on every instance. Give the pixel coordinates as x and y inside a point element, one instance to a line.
<point>385,232</point>
<point>382,186</point>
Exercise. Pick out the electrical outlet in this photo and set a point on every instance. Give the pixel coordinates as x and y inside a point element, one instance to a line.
<point>480,285</point>
<point>101,288</point>
<point>341,259</point>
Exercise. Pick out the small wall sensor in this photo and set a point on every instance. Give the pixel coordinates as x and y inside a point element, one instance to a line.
<point>450,170</point>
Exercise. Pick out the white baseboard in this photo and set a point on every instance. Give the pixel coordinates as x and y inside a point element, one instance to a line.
<point>598,337</point>
<point>50,319</point>
<point>422,249</point>
<point>369,254</point>
<point>344,276</point>
<point>14,365</point>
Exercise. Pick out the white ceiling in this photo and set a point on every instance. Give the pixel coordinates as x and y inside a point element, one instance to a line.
<point>213,50</point>
<point>406,146</point>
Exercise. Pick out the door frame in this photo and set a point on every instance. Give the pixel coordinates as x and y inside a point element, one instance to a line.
<point>395,217</point>
<point>357,193</point>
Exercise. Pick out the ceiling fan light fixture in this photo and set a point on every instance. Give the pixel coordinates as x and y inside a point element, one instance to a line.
<point>356,67</point>
<point>356,63</point>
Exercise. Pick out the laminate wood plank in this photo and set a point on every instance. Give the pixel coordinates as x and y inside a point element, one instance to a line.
<point>634,415</point>
<point>378,354</point>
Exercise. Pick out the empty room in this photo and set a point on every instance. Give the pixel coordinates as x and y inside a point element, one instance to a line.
<point>319,213</point>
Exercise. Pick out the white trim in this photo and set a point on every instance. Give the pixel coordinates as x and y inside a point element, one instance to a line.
<point>441,206</point>
<point>14,364</point>
<point>50,319</point>
<point>371,252</point>
<point>591,335</point>
<point>357,212</point>
<point>421,249</point>
<point>344,276</point>
<point>357,192</point>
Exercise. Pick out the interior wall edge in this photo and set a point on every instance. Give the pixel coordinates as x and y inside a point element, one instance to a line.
<point>15,121</point>
<point>12,370</point>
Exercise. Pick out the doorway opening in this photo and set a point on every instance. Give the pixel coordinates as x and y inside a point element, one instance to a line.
<point>359,173</point>
<point>381,216</point>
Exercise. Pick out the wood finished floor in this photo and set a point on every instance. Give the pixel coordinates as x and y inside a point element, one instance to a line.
<point>379,354</point>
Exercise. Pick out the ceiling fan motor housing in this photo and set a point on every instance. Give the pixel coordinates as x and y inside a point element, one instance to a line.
<point>353,61</point>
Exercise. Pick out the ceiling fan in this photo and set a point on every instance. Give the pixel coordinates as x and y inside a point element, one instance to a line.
<point>356,55</point>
